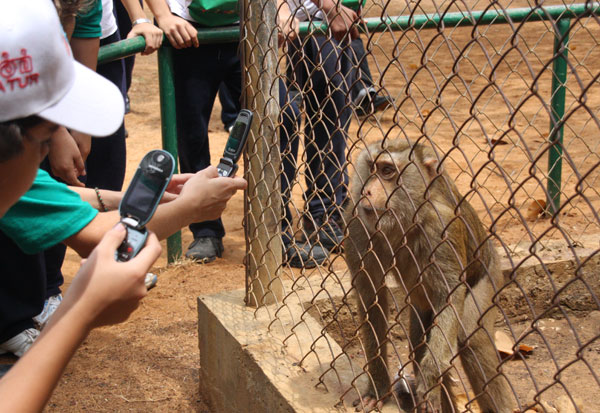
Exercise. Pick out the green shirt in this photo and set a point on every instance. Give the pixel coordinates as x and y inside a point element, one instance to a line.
<point>46,215</point>
<point>87,25</point>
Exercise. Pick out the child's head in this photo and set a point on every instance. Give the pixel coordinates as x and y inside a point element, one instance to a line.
<point>41,86</point>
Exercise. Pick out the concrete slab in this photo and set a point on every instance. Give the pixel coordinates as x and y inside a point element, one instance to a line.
<point>247,368</point>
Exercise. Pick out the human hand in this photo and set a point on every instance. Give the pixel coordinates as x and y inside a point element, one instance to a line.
<point>179,31</point>
<point>342,21</point>
<point>105,291</point>
<point>84,143</point>
<point>289,26</point>
<point>174,187</point>
<point>206,194</point>
<point>152,34</point>
<point>177,182</point>
<point>65,158</point>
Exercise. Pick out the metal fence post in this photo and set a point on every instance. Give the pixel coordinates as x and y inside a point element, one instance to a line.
<point>168,120</point>
<point>263,208</point>
<point>555,137</point>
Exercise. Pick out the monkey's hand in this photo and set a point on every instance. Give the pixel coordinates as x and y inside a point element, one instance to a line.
<point>368,402</point>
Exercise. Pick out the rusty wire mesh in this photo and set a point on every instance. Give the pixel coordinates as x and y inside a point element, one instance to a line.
<point>479,96</point>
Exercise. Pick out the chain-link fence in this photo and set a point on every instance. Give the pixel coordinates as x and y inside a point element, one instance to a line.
<point>353,217</point>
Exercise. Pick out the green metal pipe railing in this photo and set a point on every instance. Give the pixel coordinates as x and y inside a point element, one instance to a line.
<point>561,14</point>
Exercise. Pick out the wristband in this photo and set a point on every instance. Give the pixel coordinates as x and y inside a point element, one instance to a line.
<point>140,20</point>
<point>100,200</point>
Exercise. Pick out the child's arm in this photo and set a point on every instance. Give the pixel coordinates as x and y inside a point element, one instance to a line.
<point>104,292</point>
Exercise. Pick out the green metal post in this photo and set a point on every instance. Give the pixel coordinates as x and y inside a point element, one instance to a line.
<point>555,138</point>
<point>166,87</point>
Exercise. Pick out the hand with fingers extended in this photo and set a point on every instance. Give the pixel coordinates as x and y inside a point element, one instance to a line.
<point>105,291</point>
<point>215,192</point>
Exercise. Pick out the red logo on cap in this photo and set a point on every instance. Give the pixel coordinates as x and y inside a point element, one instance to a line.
<point>9,68</point>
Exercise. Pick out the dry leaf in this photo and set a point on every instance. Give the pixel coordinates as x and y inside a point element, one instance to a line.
<point>525,349</point>
<point>535,209</point>
<point>499,142</point>
<point>504,343</point>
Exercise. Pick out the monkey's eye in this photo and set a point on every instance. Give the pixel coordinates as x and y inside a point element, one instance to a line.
<point>387,171</point>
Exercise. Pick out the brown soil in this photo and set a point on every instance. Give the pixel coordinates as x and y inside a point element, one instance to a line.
<point>151,362</point>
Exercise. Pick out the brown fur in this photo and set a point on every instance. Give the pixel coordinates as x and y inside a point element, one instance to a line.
<point>406,218</point>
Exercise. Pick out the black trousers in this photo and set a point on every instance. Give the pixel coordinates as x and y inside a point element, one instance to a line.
<point>22,288</point>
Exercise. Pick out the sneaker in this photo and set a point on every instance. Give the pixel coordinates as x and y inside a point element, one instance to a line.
<point>20,343</point>
<point>205,249</point>
<point>368,101</point>
<point>50,306</point>
<point>150,280</point>
<point>326,232</point>
<point>303,255</point>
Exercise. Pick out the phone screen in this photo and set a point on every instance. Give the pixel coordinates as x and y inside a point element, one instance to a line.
<point>143,194</point>
<point>234,138</point>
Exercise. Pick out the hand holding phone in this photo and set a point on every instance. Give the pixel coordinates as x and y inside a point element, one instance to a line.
<point>141,199</point>
<point>235,144</point>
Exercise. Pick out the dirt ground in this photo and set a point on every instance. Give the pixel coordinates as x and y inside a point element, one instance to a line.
<point>151,362</point>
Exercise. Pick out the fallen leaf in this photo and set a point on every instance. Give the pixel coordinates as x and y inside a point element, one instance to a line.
<point>535,209</point>
<point>504,343</point>
<point>525,349</point>
<point>499,142</point>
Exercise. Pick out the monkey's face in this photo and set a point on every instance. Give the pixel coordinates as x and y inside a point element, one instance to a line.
<point>394,181</point>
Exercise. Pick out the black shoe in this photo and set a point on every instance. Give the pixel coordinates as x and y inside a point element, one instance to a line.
<point>205,249</point>
<point>367,102</point>
<point>325,232</point>
<point>303,255</point>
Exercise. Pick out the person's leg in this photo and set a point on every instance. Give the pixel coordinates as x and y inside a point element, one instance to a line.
<point>366,98</point>
<point>299,254</point>
<point>23,280</point>
<point>323,66</point>
<point>326,126</point>
<point>198,74</point>
<point>230,106</point>
<point>124,25</point>
<point>105,165</point>
<point>362,74</point>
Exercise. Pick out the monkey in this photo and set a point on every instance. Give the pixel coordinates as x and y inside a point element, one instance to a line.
<point>406,218</point>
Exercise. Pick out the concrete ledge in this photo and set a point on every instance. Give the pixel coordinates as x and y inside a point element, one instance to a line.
<point>247,368</point>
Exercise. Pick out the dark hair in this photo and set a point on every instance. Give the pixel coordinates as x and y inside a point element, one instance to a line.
<point>12,134</point>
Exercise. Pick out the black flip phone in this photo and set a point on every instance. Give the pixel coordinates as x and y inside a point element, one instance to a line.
<point>235,144</point>
<point>141,199</point>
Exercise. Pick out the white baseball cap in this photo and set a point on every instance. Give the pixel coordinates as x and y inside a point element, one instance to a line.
<point>38,75</point>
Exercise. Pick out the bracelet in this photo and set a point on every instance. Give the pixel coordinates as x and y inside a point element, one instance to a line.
<point>139,21</point>
<point>100,201</point>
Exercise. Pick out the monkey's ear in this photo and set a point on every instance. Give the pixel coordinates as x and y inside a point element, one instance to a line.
<point>432,164</point>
